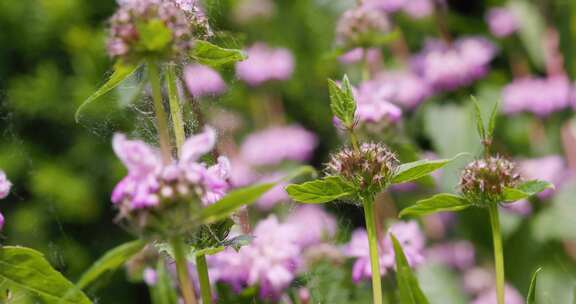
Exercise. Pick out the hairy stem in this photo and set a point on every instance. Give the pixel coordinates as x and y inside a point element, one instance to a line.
<point>186,287</point>
<point>354,140</point>
<point>202,269</point>
<point>374,256</point>
<point>498,252</point>
<point>161,117</point>
<point>175,107</point>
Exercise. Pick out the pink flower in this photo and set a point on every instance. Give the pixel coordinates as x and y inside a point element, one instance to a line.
<point>265,64</point>
<point>150,276</point>
<point>449,67</point>
<point>357,54</point>
<point>512,296</point>
<point>149,181</point>
<point>541,96</point>
<point>502,22</point>
<point>277,144</point>
<point>374,103</point>
<point>203,81</point>
<point>5,185</point>
<point>410,238</point>
<point>458,254</point>
<point>414,8</point>
<point>312,224</point>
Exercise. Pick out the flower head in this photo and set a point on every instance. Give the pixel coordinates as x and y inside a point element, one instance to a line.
<point>151,186</point>
<point>359,25</point>
<point>540,96</point>
<point>502,22</point>
<point>483,181</point>
<point>370,168</point>
<point>157,28</point>
<point>265,64</point>
<point>203,81</point>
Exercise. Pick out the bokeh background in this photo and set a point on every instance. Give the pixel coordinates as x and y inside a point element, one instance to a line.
<point>53,56</point>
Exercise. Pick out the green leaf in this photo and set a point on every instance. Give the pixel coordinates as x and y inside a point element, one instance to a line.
<point>418,169</point>
<point>531,298</point>
<point>155,36</point>
<point>342,101</point>
<point>163,292</point>
<point>121,72</point>
<point>479,122</point>
<point>112,260</point>
<point>409,289</point>
<point>526,190</point>
<point>320,191</point>
<point>438,203</point>
<point>27,269</point>
<point>212,55</point>
<point>492,121</point>
<point>232,201</point>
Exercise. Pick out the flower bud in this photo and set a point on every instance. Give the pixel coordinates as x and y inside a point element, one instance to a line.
<point>483,181</point>
<point>370,168</point>
<point>154,28</point>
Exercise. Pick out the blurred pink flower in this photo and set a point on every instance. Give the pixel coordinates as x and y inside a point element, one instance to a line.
<point>276,144</point>
<point>311,224</point>
<point>357,54</point>
<point>408,234</point>
<point>5,185</point>
<point>512,296</point>
<point>203,81</point>
<point>150,276</point>
<point>449,67</point>
<point>374,104</point>
<point>458,254</point>
<point>265,64</point>
<point>540,96</point>
<point>502,21</point>
<point>414,8</point>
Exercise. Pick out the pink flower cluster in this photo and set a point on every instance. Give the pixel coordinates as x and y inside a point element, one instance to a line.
<point>540,96</point>
<point>203,81</point>
<point>480,283</point>
<point>265,64</point>
<point>502,22</point>
<point>458,254</point>
<point>150,182</point>
<point>448,67</point>
<point>408,234</point>
<point>5,186</point>
<point>274,258</point>
<point>184,19</point>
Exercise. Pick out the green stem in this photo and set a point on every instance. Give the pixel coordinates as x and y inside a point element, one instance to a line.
<point>186,287</point>
<point>175,107</point>
<point>161,118</point>
<point>202,269</point>
<point>498,252</point>
<point>354,140</point>
<point>365,65</point>
<point>374,257</point>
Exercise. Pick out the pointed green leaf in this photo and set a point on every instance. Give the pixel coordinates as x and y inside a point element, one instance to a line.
<point>112,260</point>
<point>479,122</point>
<point>437,203</point>
<point>121,72</point>
<point>409,289</point>
<point>212,55</point>
<point>342,101</point>
<point>412,171</point>
<point>232,201</point>
<point>320,191</point>
<point>492,121</point>
<point>526,190</point>
<point>163,292</point>
<point>531,298</point>
<point>27,269</point>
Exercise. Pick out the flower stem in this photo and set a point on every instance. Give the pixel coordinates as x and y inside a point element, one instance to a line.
<point>498,252</point>
<point>175,107</point>
<point>161,118</point>
<point>202,268</point>
<point>354,140</point>
<point>186,287</point>
<point>374,256</point>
